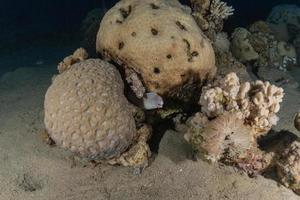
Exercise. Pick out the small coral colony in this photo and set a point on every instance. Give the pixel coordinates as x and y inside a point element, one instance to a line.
<point>163,60</point>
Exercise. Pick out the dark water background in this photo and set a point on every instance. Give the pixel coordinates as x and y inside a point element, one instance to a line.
<point>43,31</point>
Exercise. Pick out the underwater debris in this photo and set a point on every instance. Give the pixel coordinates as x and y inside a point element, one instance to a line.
<point>166,54</point>
<point>79,55</point>
<point>87,113</point>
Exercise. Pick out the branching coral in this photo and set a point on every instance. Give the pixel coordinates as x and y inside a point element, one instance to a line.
<point>220,10</point>
<point>210,15</point>
<point>257,102</point>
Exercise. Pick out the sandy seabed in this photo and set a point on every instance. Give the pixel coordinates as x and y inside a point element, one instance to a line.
<point>32,170</point>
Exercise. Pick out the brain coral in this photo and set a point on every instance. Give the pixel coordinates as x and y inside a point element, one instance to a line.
<point>86,111</point>
<point>159,40</point>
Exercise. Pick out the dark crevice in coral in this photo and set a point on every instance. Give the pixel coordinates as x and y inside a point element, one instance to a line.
<point>154,31</point>
<point>156,70</point>
<point>125,12</point>
<point>133,34</point>
<point>191,54</point>
<point>158,131</point>
<point>169,56</point>
<point>181,26</point>
<point>154,7</point>
<point>119,21</point>
<point>121,45</point>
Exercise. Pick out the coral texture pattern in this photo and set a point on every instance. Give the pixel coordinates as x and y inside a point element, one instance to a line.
<point>86,111</point>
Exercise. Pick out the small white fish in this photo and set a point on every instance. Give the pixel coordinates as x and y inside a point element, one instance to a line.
<point>152,101</point>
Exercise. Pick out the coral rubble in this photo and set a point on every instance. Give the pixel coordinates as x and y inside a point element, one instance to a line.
<point>79,55</point>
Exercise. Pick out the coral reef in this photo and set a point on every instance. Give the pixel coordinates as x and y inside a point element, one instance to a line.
<point>87,113</point>
<point>221,42</point>
<point>284,21</point>
<point>79,55</point>
<point>233,117</point>
<point>288,167</point>
<point>257,102</point>
<point>210,15</point>
<point>260,46</point>
<point>241,47</point>
<point>159,40</point>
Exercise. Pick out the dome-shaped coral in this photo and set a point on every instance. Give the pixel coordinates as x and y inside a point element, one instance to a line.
<point>159,40</point>
<point>86,111</point>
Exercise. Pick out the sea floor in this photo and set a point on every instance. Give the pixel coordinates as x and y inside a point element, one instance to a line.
<point>33,170</point>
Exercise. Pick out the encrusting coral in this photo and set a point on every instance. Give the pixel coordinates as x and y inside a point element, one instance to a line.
<point>159,40</point>
<point>257,102</point>
<point>87,113</point>
<point>79,55</point>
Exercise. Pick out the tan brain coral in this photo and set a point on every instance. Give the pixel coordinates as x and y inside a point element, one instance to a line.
<point>86,111</point>
<point>159,40</point>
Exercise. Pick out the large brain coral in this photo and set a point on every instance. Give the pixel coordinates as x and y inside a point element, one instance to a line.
<point>159,40</point>
<point>86,111</point>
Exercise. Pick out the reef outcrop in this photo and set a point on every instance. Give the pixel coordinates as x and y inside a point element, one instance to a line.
<point>160,41</point>
<point>87,113</point>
